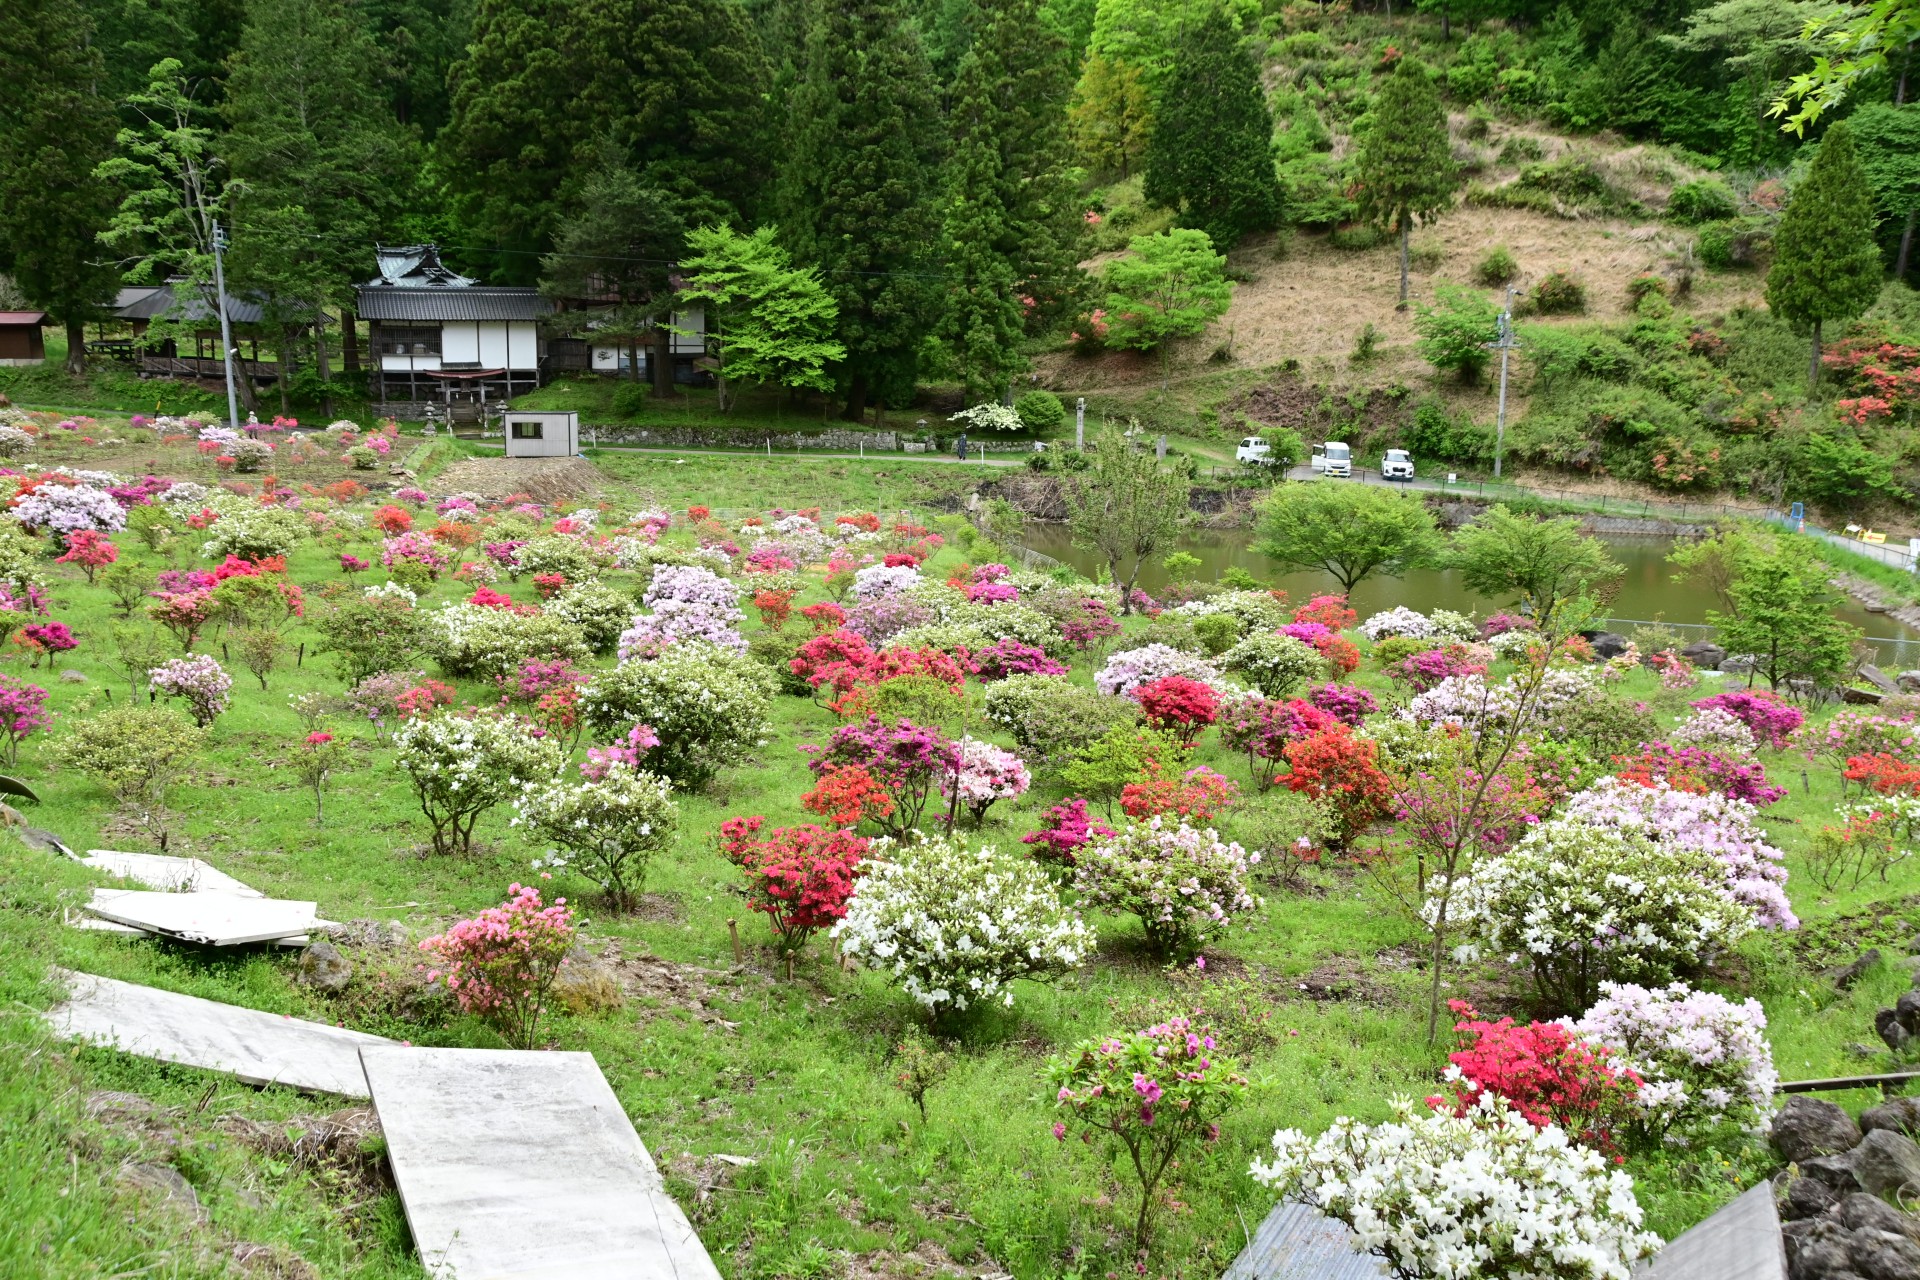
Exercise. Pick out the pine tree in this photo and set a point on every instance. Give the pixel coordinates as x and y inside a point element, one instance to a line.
<point>858,190</point>
<point>1211,154</point>
<point>1405,168</point>
<point>1826,265</point>
<point>55,129</point>
<point>1013,232</point>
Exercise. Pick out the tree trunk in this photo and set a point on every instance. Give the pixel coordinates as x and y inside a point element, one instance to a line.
<point>1406,237</point>
<point>325,366</point>
<point>1813,369</point>
<point>661,358</point>
<point>1900,259</point>
<point>77,335</point>
<point>856,399</point>
<point>1446,33</point>
<point>285,360</point>
<point>349,340</point>
<point>633,358</point>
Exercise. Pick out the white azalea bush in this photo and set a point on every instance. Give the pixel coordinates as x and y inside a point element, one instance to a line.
<point>1479,1196</point>
<point>598,611</point>
<point>1398,621</point>
<point>556,553</point>
<point>473,640</point>
<point>461,766</point>
<point>15,443</point>
<point>1703,1059</point>
<point>882,579</point>
<point>707,705</point>
<point>609,827</point>
<point>1582,905</point>
<point>1276,665</point>
<point>1131,667</point>
<point>1185,883</point>
<point>1253,610</point>
<point>251,531</point>
<point>956,924</point>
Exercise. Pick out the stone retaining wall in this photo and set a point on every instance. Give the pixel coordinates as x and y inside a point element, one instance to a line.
<point>835,438</point>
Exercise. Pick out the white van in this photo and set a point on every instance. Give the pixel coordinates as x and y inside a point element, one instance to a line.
<point>1333,458</point>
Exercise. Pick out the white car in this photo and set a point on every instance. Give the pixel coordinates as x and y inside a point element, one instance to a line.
<point>1333,458</point>
<point>1255,452</point>
<point>1397,465</point>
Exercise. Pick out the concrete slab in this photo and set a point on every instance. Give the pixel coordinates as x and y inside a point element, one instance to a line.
<point>100,924</point>
<point>259,1048</point>
<point>214,919</point>
<point>167,873</point>
<point>1740,1242</point>
<point>523,1166</point>
<point>1298,1242</point>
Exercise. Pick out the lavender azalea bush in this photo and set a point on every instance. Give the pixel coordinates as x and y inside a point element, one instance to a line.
<point>1131,667</point>
<point>687,603</point>
<point>1703,1059</point>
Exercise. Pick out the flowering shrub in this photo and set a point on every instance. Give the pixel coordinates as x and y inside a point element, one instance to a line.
<point>628,751</point>
<point>1330,612</point>
<point>1339,767</point>
<point>1481,1175</point>
<point>599,611</point>
<point>198,681</point>
<point>1050,718</point>
<point>43,639</point>
<point>985,773</point>
<point>1199,794</point>
<point>1753,871</point>
<point>1348,703</point>
<point>314,762</point>
<point>1544,1071</point>
<point>474,640</point>
<point>502,963</point>
<point>611,825</point>
<point>801,877</point>
<point>848,795</point>
<point>687,603</point>
<point>23,710</point>
<point>1772,719</point>
<point>1426,670</point>
<point>1274,664</point>
<point>1263,727</point>
<point>91,551</point>
<point>1694,769</point>
<point>1702,1059</point>
<point>1886,775</point>
<point>1064,829</point>
<point>462,766</point>
<point>1153,1093</point>
<point>1184,883</point>
<point>955,926</point>
<point>824,617</point>
<point>414,548</point>
<point>1865,843</point>
<point>707,705</point>
<point>1398,621</point>
<point>1585,904</point>
<point>1091,624</point>
<point>1010,657</point>
<point>253,532</point>
<point>904,758</point>
<point>1131,667</point>
<point>1178,706</point>
<point>1715,730</point>
<point>67,509</point>
<point>884,579</point>
<point>1854,731</point>
<point>882,618</point>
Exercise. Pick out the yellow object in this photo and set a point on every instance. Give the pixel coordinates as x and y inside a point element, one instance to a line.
<point>1871,536</point>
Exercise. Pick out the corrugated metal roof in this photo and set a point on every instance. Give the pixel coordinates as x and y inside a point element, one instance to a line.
<point>23,317</point>
<point>1298,1242</point>
<point>476,302</point>
<point>179,300</point>
<point>415,266</point>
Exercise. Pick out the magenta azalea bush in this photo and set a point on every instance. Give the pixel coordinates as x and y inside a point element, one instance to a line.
<point>907,759</point>
<point>1772,719</point>
<point>1010,657</point>
<point>1347,703</point>
<point>23,711</point>
<point>1063,829</point>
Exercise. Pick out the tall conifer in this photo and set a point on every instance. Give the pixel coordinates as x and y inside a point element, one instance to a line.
<point>1405,168</point>
<point>1826,265</point>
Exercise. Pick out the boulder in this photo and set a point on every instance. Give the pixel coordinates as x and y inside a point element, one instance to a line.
<point>1902,1115</point>
<point>1819,1252</point>
<point>1836,1171</point>
<point>1704,654</point>
<point>323,968</point>
<point>1888,1024</point>
<point>1807,1198</point>
<point>1609,644</point>
<point>1886,1162</point>
<point>1740,662</point>
<point>1854,696</point>
<point>1847,974</point>
<point>1883,1255</point>
<point>1907,1010</point>
<point>1860,1210</point>
<point>165,1185</point>
<point>586,985</point>
<point>1909,681</point>
<point>1807,1127</point>
<point>1878,678</point>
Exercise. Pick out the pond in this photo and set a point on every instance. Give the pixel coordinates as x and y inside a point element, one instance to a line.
<point>1647,590</point>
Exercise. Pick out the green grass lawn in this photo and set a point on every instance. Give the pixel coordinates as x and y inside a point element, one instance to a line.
<point>711,1059</point>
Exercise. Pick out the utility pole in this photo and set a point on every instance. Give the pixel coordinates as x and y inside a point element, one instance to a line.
<point>226,332</point>
<point>1504,344</point>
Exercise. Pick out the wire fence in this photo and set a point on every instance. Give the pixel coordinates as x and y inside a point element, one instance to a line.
<point>1892,652</point>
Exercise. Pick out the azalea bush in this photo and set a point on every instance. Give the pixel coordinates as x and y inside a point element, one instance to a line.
<point>1177,706</point>
<point>955,925</point>
<point>473,640</point>
<point>1199,794</point>
<point>801,878</point>
<point>847,795</point>
<point>1545,1071</point>
<point>1854,731</point>
<point>1263,728</point>
<point>1050,718</point>
<point>461,766</point>
<point>501,965</point>
<point>708,707</point>
<point>1131,667</point>
<point>1718,731</point>
<point>1154,1094</point>
<point>983,775</point>
<point>1185,884</point>
<point>1010,657</point>
<point>197,681</point>
<point>686,602</point>
<point>610,825</point>
<point>906,759</point>
<point>598,611</point>
<point>1064,828</point>
<point>1340,768</point>
<point>1398,621</point>
<point>1865,843</point>
<point>1425,670</point>
<point>1772,719</point>
<point>1702,1059</point>
<point>1696,769</point>
<point>23,712</point>
<point>1348,703</point>
<point>1481,1174</point>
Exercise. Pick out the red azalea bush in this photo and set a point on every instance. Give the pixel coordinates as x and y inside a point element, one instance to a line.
<point>1262,727</point>
<point>488,598</point>
<point>801,877</point>
<point>1335,766</point>
<point>848,795</point>
<point>1549,1074</point>
<point>1178,705</point>
<point>90,550</point>
<point>824,617</point>
<point>1887,775</point>
<point>1199,794</point>
<point>775,607</point>
<point>832,663</point>
<point>424,698</point>
<point>549,585</point>
<point>392,520</point>
<point>1330,612</point>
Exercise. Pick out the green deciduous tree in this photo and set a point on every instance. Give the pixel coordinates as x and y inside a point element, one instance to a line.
<point>1888,140</point>
<point>1454,335</point>
<point>1112,115</point>
<point>859,190</point>
<point>768,321</point>
<point>55,129</point>
<point>1826,265</point>
<point>1405,168</point>
<point>1351,531</point>
<point>1783,613</point>
<point>1126,507</point>
<point>1853,41</point>
<point>1544,563</point>
<point>1170,285</point>
<point>1211,154</point>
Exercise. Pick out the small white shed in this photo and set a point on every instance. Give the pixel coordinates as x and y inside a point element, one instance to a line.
<point>541,435</point>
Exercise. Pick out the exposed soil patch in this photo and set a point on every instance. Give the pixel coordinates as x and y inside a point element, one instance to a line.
<point>655,986</point>
<point>1343,979</point>
<point>542,479</point>
<point>1888,925</point>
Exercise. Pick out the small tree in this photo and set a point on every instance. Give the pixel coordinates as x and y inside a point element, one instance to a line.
<point>1126,507</point>
<point>318,757</point>
<point>1405,168</point>
<point>1348,530</point>
<point>1826,265</point>
<point>462,766</point>
<point>611,825</point>
<point>135,752</point>
<point>1782,612</point>
<point>1546,563</point>
<point>1455,334</point>
<point>1170,285</point>
<point>768,321</point>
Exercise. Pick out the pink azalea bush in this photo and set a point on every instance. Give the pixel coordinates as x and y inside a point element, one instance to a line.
<point>501,964</point>
<point>1064,829</point>
<point>1185,883</point>
<point>1348,703</point>
<point>1772,718</point>
<point>23,710</point>
<point>198,681</point>
<point>984,774</point>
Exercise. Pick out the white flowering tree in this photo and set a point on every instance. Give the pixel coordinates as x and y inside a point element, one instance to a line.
<point>610,827</point>
<point>707,705</point>
<point>989,417</point>
<point>462,766</point>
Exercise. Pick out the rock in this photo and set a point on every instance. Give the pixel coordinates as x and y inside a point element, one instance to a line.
<point>165,1185</point>
<point>1609,644</point>
<point>1836,1171</point>
<point>1819,1252</point>
<point>1909,681</point>
<point>1861,1210</point>
<point>323,968</point>
<point>1883,1255</point>
<point>1887,1024</point>
<point>1807,1198</point>
<point>1877,678</point>
<point>70,676</point>
<point>1740,662</point>
<point>1808,1127</point>
<point>1846,975</point>
<point>1857,1050</point>
<point>1887,1161</point>
<point>1704,654</point>
<point>1854,697</point>
<point>1902,1115</point>
<point>586,985</point>
<point>1907,1010</point>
